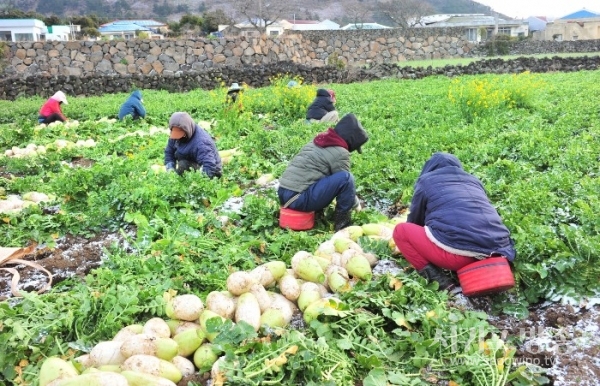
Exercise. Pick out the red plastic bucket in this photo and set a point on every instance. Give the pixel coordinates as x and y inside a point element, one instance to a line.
<point>296,220</point>
<point>486,277</point>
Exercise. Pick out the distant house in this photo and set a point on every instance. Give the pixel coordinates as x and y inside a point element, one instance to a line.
<point>477,27</point>
<point>246,28</point>
<point>536,23</point>
<point>580,25</point>
<point>129,29</point>
<point>61,32</point>
<point>22,30</point>
<point>352,26</point>
<point>308,25</point>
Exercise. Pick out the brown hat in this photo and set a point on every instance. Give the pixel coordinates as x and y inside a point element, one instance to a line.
<point>177,133</point>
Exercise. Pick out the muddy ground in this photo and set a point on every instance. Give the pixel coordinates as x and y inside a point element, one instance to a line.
<point>563,339</point>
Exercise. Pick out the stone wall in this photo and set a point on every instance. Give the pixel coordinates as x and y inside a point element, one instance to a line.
<point>259,75</point>
<point>167,57</point>
<point>529,47</point>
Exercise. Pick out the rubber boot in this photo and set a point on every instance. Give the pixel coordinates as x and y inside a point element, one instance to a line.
<point>433,273</point>
<point>342,220</point>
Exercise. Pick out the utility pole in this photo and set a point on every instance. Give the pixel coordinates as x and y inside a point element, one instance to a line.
<point>260,15</point>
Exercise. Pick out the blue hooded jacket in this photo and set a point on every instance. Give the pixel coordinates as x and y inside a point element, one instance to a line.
<point>454,206</point>
<point>198,146</point>
<point>133,106</point>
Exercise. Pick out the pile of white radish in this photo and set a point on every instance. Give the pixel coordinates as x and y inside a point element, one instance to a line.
<point>28,151</point>
<point>14,203</point>
<point>265,179</point>
<point>32,149</point>
<point>70,123</point>
<point>107,120</point>
<point>163,352</point>
<point>227,155</point>
<point>152,131</point>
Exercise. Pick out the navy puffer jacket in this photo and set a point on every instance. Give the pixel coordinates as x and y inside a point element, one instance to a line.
<point>454,206</point>
<point>321,105</point>
<point>198,146</point>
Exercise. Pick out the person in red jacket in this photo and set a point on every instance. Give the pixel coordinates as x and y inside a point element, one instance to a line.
<point>50,111</point>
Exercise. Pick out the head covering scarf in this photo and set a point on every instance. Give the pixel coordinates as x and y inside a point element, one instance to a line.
<point>183,121</point>
<point>60,96</point>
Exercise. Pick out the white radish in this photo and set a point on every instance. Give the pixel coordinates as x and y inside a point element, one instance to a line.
<point>55,368</point>
<point>222,303</point>
<point>128,332</point>
<point>267,274</point>
<point>289,287</point>
<point>99,378</point>
<point>184,307</point>
<point>152,365</point>
<point>239,282</point>
<point>135,378</point>
<point>205,356</point>
<point>107,353</point>
<point>248,310</point>
<point>309,292</point>
<point>184,365</point>
<point>157,327</point>
<point>188,341</point>
<point>163,348</point>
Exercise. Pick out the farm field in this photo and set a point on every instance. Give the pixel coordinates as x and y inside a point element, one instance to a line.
<point>122,238</point>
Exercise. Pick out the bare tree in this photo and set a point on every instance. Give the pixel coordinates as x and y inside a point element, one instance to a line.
<point>358,12</point>
<point>262,13</point>
<point>404,13</point>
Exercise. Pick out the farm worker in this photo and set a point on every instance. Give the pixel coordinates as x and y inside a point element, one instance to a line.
<point>50,111</point>
<point>320,172</point>
<point>322,108</point>
<point>191,148</point>
<point>134,106</point>
<point>233,92</point>
<point>451,222</point>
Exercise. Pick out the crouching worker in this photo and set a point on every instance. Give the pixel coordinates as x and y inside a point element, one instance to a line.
<point>134,106</point>
<point>451,222</point>
<point>322,109</point>
<point>320,172</point>
<point>191,148</point>
<point>50,111</point>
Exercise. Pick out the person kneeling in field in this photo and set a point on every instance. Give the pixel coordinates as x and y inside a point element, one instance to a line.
<point>451,222</point>
<point>134,106</point>
<point>191,148</point>
<point>322,109</point>
<point>50,111</point>
<point>321,172</point>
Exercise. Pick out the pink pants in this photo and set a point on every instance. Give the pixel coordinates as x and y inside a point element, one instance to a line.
<point>419,251</point>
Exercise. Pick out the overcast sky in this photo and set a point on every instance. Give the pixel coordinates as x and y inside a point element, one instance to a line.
<point>550,8</point>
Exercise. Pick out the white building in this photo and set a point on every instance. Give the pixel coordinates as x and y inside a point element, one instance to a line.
<point>22,30</point>
<point>309,25</point>
<point>353,26</point>
<point>59,32</point>
<point>477,27</point>
<point>129,29</point>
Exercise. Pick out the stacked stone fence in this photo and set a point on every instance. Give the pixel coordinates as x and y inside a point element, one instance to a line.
<point>260,75</point>
<point>531,47</point>
<point>167,57</point>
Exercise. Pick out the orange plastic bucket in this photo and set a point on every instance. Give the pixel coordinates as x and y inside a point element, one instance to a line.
<point>486,277</point>
<point>296,220</point>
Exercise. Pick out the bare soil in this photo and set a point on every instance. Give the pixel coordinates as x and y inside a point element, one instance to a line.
<point>563,339</point>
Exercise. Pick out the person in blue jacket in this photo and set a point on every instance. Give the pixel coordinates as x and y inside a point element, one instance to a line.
<point>134,106</point>
<point>191,148</point>
<point>451,222</point>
